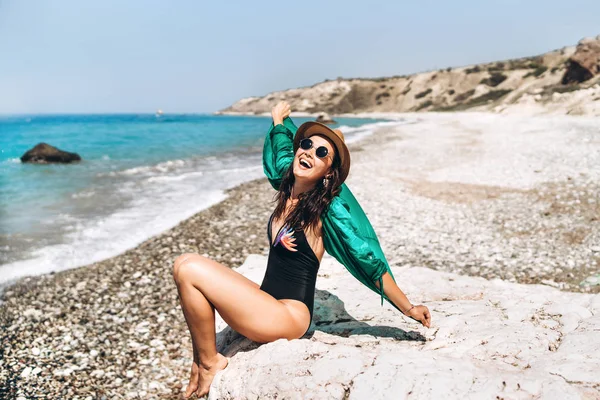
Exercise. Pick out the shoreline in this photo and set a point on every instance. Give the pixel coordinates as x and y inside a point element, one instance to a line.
<point>223,195</point>
<point>463,199</point>
<point>69,323</point>
<point>55,311</point>
<point>31,266</point>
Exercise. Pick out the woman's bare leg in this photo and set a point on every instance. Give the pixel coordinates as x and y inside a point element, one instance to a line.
<point>200,319</point>
<point>204,285</point>
<point>195,346</point>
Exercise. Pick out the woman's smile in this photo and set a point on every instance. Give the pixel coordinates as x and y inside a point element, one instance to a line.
<point>304,163</point>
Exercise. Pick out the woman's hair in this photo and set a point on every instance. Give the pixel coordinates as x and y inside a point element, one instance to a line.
<point>312,203</point>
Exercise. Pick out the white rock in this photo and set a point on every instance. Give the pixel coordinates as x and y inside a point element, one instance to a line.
<point>592,279</point>
<point>97,373</point>
<point>486,338</point>
<point>32,312</point>
<point>157,344</point>
<point>154,385</point>
<point>26,372</point>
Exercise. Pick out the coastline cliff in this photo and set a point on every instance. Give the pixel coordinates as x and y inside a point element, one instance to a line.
<point>563,81</point>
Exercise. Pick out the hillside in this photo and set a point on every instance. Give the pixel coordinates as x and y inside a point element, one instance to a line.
<point>563,81</point>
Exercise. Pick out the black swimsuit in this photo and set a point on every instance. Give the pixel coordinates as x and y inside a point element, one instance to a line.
<point>291,274</point>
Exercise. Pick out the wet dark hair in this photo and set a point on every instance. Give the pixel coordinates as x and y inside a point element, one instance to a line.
<point>312,203</point>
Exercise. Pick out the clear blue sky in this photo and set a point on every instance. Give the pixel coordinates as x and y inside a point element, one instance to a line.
<point>81,56</point>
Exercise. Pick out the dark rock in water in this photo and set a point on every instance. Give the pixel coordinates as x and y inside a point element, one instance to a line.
<point>43,153</point>
<point>584,64</point>
<point>324,118</point>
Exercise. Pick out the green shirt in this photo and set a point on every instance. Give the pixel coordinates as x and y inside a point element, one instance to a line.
<point>347,233</point>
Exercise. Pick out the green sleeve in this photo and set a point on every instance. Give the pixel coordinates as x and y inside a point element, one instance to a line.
<point>278,151</point>
<point>349,237</point>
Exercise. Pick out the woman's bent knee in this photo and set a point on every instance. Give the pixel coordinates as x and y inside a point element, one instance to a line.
<point>179,261</point>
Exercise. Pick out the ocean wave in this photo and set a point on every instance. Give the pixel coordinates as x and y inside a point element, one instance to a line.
<point>166,166</point>
<point>91,240</point>
<point>240,169</point>
<point>220,170</point>
<point>149,213</point>
<point>356,133</point>
<point>120,214</point>
<point>172,178</point>
<point>83,194</point>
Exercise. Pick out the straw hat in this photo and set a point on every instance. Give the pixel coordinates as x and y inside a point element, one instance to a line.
<point>310,128</point>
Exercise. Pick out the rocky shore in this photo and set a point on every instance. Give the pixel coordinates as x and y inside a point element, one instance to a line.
<point>115,329</point>
<point>486,195</point>
<point>491,339</point>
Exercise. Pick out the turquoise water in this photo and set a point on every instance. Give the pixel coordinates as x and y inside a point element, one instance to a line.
<point>140,175</point>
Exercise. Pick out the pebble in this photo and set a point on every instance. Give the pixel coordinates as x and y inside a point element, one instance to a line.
<point>591,281</point>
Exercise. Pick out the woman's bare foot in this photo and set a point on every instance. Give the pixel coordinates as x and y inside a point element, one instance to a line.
<point>193,385</point>
<point>202,376</point>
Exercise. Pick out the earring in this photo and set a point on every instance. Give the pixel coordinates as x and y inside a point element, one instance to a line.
<point>325,180</point>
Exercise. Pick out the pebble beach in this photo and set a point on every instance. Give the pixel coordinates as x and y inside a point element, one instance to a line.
<point>507,197</point>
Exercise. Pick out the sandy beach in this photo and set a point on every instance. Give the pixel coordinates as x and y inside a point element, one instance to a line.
<point>487,195</point>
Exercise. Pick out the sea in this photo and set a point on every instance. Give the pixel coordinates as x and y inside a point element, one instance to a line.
<point>140,175</point>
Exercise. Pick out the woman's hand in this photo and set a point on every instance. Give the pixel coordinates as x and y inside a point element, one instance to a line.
<point>281,111</point>
<point>421,314</point>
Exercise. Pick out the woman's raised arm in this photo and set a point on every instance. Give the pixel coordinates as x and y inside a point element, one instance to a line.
<point>281,111</point>
<point>278,149</point>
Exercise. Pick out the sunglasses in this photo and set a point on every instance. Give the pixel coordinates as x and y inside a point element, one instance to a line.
<point>321,151</point>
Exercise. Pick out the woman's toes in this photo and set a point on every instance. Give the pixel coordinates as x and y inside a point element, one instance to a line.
<point>193,384</point>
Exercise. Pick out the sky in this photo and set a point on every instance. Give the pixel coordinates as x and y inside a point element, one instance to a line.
<point>73,56</point>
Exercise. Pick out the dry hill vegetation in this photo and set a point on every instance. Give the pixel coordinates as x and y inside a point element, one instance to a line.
<point>563,81</point>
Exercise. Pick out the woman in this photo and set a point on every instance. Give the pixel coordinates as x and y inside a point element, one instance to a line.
<point>282,306</point>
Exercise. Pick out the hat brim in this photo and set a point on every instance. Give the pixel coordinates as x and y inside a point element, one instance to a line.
<point>310,128</point>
